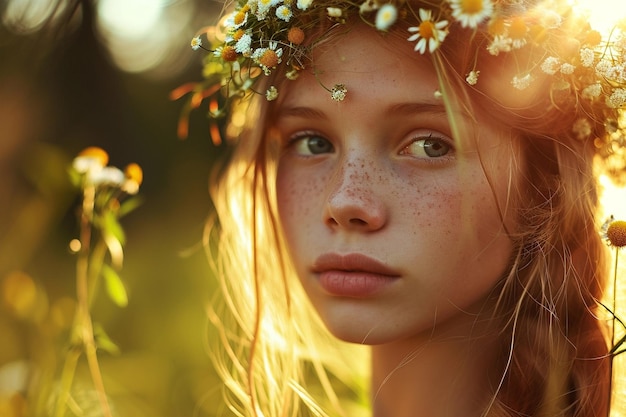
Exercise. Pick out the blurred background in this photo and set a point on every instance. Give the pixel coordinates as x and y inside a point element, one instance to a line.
<point>78,73</point>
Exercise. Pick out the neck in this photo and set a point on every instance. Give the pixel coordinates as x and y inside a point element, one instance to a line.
<point>439,376</point>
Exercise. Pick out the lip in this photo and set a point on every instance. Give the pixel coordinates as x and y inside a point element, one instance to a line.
<point>352,275</point>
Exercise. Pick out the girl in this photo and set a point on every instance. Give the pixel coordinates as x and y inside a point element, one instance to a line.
<point>414,178</point>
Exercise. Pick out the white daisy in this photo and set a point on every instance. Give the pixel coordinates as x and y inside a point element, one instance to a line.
<point>471,12</point>
<point>428,32</point>
<point>303,4</point>
<point>386,16</point>
<point>196,43</point>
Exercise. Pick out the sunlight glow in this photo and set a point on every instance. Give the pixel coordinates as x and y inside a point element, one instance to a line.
<point>603,14</point>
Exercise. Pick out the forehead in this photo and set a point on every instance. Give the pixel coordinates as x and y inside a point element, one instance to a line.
<point>368,63</point>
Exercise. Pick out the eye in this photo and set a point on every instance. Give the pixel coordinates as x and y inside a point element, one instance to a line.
<point>428,147</point>
<point>312,144</point>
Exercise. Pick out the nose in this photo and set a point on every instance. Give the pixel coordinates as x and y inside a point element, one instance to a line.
<point>353,203</point>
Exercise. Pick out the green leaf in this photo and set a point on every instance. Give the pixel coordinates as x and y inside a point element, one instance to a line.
<point>114,286</point>
<point>111,226</point>
<point>128,206</point>
<point>103,341</point>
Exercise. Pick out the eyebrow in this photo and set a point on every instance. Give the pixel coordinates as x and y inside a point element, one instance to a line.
<point>417,108</point>
<point>402,108</point>
<point>301,111</point>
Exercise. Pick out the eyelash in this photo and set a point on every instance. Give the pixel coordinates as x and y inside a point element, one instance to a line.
<point>293,141</point>
<point>299,137</point>
<point>440,139</point>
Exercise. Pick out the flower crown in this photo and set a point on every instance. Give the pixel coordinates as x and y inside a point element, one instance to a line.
<point>263,36</point>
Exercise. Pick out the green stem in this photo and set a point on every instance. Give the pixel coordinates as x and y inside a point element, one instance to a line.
<point>82,293</point>
<point>67,376</point>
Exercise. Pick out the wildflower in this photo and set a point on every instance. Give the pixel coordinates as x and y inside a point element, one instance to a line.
<point>338,92</point>
<point>471,12</point>
<point>303,4</point>
<point>134,178</point>
<point>240,18</point>
<point>295,35</point>
<point>89,159</point>
<point>334,11</point>
<point>567,68</point>
<point>292,74</point>
<point>263,6</point>
<point>196,43</point>
<point>271,93</point>
<point>517,32</point>
<point>582,128</point>
<point>228,53</point>
<point>428,32</point>
<point>244,44</point>
<point>238,34</point>
<point>614,232</point>
<point>107,176</point>
<point>617,99</point>
<point>592,91</point>
<point>368,6</point>
<point>268,58</point>
<point>550,65</point>
<point>521,83</point>
<point>472,77</point>
<point>605,68</point>
<point>386,16</point>
<point>284,13</point>
<point>550,18</point>
<point>586,57</point>
<point>499,44</point>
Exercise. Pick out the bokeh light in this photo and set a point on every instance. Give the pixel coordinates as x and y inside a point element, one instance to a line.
<point>27,16</point>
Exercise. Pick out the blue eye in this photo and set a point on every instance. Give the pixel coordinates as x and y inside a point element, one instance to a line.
<point>428,147</point>
<point>311,144</point>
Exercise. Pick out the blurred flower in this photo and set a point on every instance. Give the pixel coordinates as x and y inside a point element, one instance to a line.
<point>386,16</point>
<point>89,159</point>
<point>134,178</point>
<point>106,176</point>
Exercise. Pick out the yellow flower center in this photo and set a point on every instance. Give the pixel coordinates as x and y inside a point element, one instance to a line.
<point>616,233</point>
<point>239,17</point>
<point>238,34</point>
<point>295,35</point>
<point>269,59</point>
<point>518,28</point>
<point>427,29</point>
<point>134,172</point>
<point>496,26</point>
<point>97,153</point>
<point>229,54</point>
<point>593,38</point>
<point>472,6</point>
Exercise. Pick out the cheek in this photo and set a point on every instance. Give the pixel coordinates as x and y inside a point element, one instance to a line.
<point>298,202</point>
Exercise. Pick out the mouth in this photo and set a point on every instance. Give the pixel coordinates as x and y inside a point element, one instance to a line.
<point>352,275</point>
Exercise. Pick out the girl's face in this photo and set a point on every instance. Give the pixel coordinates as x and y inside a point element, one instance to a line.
<point>395,230</point>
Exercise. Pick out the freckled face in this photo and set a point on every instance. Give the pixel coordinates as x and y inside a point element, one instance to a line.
<point>394,229</point>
